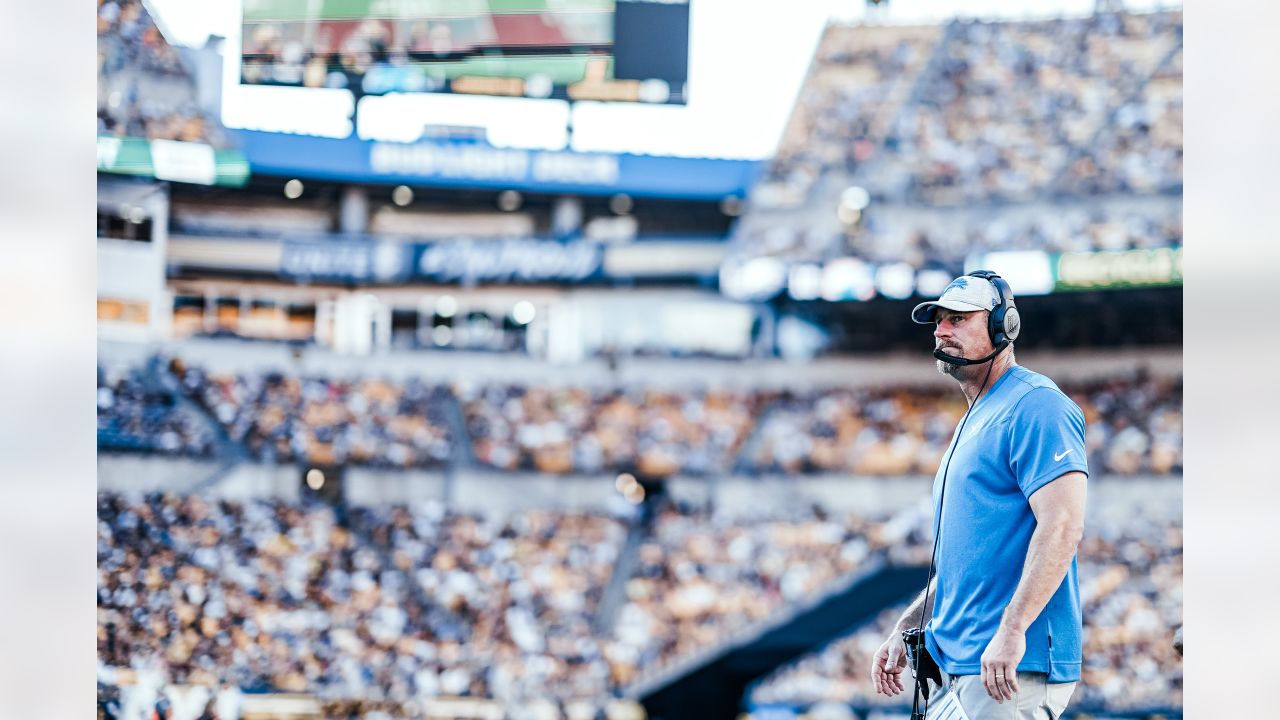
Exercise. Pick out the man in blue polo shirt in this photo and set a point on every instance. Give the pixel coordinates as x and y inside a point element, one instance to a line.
<point>1003,609</point>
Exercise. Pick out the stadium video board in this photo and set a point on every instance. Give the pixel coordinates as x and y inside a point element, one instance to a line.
<point>603,50</point>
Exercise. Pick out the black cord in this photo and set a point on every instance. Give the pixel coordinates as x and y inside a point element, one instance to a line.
<point>933,556</point>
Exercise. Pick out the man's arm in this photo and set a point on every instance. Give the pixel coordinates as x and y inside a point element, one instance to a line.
<point>1059,510</point>
<point>891,659</point>
<point>912,617</point>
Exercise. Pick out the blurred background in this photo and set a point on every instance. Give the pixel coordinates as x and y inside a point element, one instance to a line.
<point>551,358</point>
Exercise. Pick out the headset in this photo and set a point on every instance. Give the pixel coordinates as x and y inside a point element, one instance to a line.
<point>1004,323</point>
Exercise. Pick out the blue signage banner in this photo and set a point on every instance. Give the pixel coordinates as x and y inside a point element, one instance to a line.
<point>478,165</point>
<point>347,261</point>
<point>512,260</point>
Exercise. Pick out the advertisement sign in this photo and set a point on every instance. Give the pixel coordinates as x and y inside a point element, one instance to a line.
<point>447,163</point>
<point>354,262</point>
<point>1113,269</point>
<point>455,261</point>
<point>514,260</point>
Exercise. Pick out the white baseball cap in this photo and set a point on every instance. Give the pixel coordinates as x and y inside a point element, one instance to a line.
<point>965,294</point>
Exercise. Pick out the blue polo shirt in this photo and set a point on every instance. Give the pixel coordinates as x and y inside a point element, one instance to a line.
<point>1023,434</point>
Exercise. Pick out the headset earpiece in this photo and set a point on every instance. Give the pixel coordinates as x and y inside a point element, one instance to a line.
<point>1004,324</point>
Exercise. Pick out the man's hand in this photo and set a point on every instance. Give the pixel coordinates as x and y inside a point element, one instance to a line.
<point>1000,663</point>
<point>887,666</point>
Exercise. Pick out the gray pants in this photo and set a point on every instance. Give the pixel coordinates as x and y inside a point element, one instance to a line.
<point>1037,699</point>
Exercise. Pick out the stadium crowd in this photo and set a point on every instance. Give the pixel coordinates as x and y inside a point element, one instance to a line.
<point>144,88</point>
<point>575,430</point>
<point>703,577</point>
<point>127,36</point>
<point>135,415</point>
<point>858,77</point>
<point>982,116</point>
<point>1134,425</point>
<point>1140,150</point>
<point>1009,103</point>
<point>327,421</point>
<point>393,604</point>
<point>1131,589</point>
<point>409,603</point>
<point>944,242</point>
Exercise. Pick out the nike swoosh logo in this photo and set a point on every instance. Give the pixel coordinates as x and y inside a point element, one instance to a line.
<point>1063,454</point>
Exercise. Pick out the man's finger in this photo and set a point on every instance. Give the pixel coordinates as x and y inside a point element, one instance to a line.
<point>989,682</point>
<point>1000,675</point>
<point>878,673</point>
<point>889,678</point>
<point>1011,682</point>
<point>875,670</point>
<point>1005,681</point>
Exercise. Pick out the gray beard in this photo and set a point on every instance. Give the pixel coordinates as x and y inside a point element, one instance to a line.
<point>947,368</point>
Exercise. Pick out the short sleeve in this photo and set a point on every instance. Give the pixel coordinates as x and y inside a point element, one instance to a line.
<point>1046,439</point>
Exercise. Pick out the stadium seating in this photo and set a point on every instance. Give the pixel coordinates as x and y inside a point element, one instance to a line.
<point>136,416</point>
<point>418,602</point>
<point>1131,587</point>
<point>393,604</point>
<point>702,578</point>
<point>1072,117</point>
<point>1134,425</point>
<point>986,111</point>
<point>406,603</point>
<point>144,88</point>
<point>1008,104</point>
<point>366,421</point>
<point>858,78</point>
<point>574,430</point>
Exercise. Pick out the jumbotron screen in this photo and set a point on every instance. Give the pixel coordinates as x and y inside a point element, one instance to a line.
<point>613,50</point>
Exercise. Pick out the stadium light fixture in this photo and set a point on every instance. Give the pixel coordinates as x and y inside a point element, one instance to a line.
<point>510,201</point>
<point>442,335</point>
<point>402,195</point>
<point>523,312</point>
<point>620,204</point>
<point>447,306</point>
